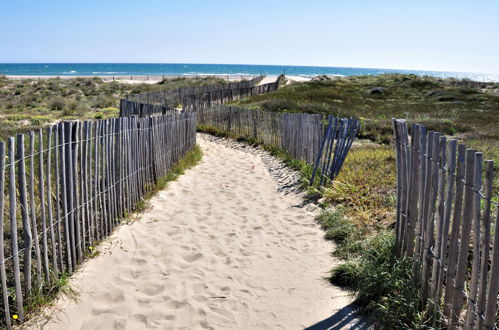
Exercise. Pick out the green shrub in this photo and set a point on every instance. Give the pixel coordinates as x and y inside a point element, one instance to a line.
<point>382,283</point>
<point>102,101</point>
<point>57,103</point>
<point>74,108</point>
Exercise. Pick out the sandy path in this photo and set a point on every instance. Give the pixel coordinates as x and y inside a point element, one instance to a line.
<point>221,248</point>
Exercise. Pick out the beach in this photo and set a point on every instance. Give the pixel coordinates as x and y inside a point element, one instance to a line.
<point>154,79</point>
<point>223,247</point>
<point>132,79</point>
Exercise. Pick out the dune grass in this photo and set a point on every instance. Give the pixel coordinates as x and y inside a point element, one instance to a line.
<point>359,217</point>
<point>461,108</point>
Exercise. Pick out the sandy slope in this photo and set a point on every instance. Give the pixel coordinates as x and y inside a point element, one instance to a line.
<point>221,248</point>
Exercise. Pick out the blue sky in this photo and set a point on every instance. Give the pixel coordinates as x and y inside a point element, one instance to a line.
<point>443,35</point>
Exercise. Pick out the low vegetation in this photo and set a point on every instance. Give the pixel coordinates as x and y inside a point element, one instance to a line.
<point>359,216</point>
<point>461,108</point>
<point>30,103</point>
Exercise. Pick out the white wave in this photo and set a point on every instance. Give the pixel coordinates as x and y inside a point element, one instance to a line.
<point>107,72</point>
<point>216,74</point>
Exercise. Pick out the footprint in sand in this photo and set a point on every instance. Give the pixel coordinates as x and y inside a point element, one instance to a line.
<point>192,257</point>
<point>112,295</point>
<point>139,261</point>
<point>152,288</point>
<point>178,304</point>
<point>104,321</point>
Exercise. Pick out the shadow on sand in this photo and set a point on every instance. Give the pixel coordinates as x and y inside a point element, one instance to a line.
<point>348,317</point>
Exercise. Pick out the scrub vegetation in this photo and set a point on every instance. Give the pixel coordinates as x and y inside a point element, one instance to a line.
<point>31,103</point>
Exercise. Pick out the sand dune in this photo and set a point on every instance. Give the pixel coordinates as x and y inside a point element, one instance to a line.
<point>220,248</point>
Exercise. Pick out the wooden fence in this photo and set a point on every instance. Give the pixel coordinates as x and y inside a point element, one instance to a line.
<point>297,133</point>
<point>131,108</point>
<point>67,187</point>
<point>199,102</point>
<point>445,212</point>
<point>338,138</point>
<point>302,135</point>
<point>169,98</point>
<point>194,99</point>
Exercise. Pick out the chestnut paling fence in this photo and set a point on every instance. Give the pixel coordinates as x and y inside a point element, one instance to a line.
<point>192,98</point>
<point>304,136</point>
<point>65,188</point>
<point>445,224</point>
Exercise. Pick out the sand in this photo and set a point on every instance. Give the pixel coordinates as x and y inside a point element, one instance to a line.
<point>220,248</point>
<point>138,79</point>
<point>154,79</point>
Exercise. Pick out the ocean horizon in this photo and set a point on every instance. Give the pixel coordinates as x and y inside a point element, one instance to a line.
<point>187,69</point>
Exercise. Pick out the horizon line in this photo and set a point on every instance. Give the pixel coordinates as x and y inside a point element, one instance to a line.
<point>274,65</point>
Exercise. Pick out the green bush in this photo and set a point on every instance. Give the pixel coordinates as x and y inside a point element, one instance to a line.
<point>386,285</point>
<point>74,108</point>
<point>57,103</point>
<point>102,101</point>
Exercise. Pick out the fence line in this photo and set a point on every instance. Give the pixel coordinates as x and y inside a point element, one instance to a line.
<point>298,134</point>
<point>170,98</point>
<point>69,187</point>
<point>303,136</point>
<point>444,224</point>
<point>193,99</point>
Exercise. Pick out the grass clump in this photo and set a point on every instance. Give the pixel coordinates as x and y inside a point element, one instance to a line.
<point>43,297</point>
<point>337,227</point>
<point>382,283</point>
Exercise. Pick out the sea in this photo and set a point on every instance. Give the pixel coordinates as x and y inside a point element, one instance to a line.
<point>181,69</point>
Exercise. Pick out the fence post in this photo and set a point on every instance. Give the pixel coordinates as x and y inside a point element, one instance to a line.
<point>27,233</point>
<point>457,296</point>
<point>3,274</point>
